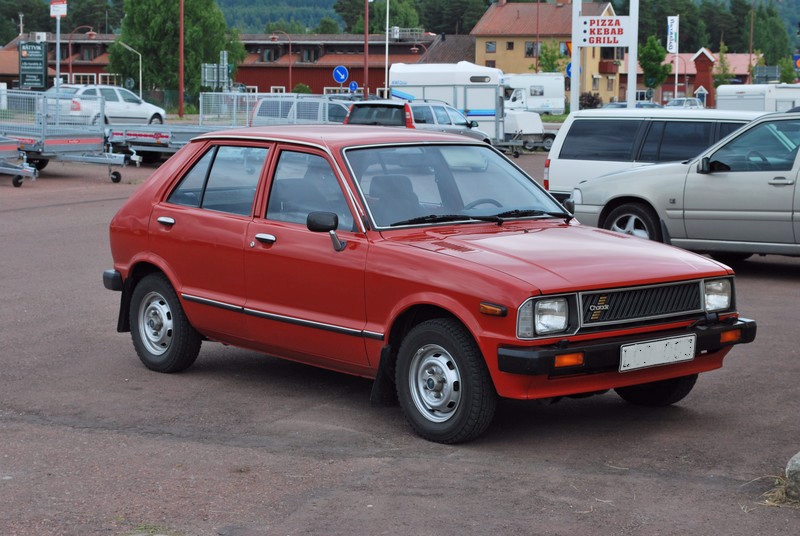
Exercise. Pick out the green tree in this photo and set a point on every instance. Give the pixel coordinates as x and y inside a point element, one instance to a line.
<point>788,74</point>
<point>35,18</point>
<point>722,70</point>
<point>402,13</point>
<point>327,26</point>
<point>290,27</point>
<point>352,13</point>
<point>651,60</point>
<point>104,16</point>
<point>152,28</point>
<point>550,59</point>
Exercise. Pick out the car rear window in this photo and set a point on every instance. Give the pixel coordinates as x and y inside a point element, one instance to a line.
<point>377,115</point>
<point>611,139</point>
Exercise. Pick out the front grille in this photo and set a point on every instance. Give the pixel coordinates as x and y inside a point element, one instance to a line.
<point>640,303</point>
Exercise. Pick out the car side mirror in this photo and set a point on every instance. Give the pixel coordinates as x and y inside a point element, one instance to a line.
<point>473,124</point>
<point>703,166</point>
<point>326,222</point>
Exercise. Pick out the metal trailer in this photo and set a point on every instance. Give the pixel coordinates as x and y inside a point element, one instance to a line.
<point>10,164</point>
<point>46,130</point>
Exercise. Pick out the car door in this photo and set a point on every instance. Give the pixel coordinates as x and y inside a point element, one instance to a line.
<point>114,108</point>
<point>199,232</point>
<point>133,110</point>
<point>749,195</point>
<point>305,299</point>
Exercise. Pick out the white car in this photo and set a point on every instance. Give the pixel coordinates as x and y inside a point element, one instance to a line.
<point>98,104</point>
<point>735,199</point>
<point>685,102</point>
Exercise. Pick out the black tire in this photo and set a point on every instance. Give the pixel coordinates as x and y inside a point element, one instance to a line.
<point>115,176</point>
<point>443,384</point>
<point>16,180</point>
<point>547,143</point>
<point>162,335</point>
<point>658,394</point>
<point>634,219</point>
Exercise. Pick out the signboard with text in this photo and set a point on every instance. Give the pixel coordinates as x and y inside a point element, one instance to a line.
<point>32,65</point>
<point>604,31</point>
<point>58,9</point>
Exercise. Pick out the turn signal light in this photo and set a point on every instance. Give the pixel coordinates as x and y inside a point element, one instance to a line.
<point>569,360</point>
<point>731,336</point>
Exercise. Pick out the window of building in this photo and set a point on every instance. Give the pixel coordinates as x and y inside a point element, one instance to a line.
<point>84,78</point>
<point>491,47</point>
<point>531,49</point>
<point>509,45</point>
<point>490,63</point>
<point>109,79</point>
<point>610,83</point>
<point>565,48</point>
<point>595,83</point>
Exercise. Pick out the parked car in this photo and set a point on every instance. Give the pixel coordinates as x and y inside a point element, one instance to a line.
<point>685,102</point>
<point>591,143</point>
<point>424,261</point>
<point>101,104</point>
<point>282,109</point>
<point>419,114</point>
<point>735,199</point>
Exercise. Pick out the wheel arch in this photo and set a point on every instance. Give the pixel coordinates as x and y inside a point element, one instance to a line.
<point>138,272</point>
<point>618,202</point>
<point>383,389</point>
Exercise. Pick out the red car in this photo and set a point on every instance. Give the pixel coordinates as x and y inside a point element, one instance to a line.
<point>427,262</point>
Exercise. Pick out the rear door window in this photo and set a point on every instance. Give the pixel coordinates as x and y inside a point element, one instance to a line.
<point>669,141</point>
<point>606,140</point>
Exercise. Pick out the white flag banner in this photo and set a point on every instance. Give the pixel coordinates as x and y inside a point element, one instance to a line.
<point>672,34</point>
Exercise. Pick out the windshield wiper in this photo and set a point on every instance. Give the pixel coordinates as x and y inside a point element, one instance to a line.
<point>435,218</point>
<point>517,213</point>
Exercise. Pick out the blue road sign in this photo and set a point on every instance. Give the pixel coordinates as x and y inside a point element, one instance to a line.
<point>340,74</point>
<point>353,86</point>
<point>569,70</point>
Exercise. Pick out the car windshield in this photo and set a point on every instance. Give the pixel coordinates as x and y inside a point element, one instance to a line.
<point>430,184</point>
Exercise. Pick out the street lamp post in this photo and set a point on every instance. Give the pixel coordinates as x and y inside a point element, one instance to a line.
<point>128,47</point>
<point>91,34</point>
<point>274,38</point>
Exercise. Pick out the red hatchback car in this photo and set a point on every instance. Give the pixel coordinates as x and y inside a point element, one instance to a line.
<point>427,262</point>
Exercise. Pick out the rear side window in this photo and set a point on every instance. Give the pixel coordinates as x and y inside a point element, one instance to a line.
<point>727,128</point>
<point>422,114</point>
<point>608,139</point>
<point>392,116</point>
<point>669,141</point>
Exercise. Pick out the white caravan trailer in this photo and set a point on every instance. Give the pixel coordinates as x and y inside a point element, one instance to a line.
<point>474,89</point>
<point>758,97</point>
<point>543,93</point>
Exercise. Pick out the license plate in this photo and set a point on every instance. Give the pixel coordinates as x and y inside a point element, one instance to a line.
<point>658,352</point>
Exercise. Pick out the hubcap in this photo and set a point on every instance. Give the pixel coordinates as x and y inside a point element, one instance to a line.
<point>435,383</point>
<point>155,323</point>
<point>630,224</point>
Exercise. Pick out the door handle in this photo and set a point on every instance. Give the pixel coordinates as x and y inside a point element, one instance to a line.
<point>165,220</point>
<point>265,238</point>
<point>781,181</point>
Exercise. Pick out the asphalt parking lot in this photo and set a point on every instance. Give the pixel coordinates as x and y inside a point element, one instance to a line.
<point>243,444</point>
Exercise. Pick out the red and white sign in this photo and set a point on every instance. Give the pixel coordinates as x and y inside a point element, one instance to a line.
<point>604,31</point>
<point>58,9</point>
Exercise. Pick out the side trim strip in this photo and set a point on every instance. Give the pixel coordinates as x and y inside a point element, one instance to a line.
<point>283,318</point>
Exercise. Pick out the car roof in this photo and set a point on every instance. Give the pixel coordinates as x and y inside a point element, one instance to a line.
<point>662,113</point>
<point>380,102</point>
<point>339,136</point>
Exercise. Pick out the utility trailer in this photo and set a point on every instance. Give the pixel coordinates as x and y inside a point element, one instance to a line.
<point>10,164</point>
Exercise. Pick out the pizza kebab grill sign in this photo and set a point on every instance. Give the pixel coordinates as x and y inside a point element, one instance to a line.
<point>604,31</point>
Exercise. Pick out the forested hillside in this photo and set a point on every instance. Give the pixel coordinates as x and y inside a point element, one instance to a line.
<point>251,17</point>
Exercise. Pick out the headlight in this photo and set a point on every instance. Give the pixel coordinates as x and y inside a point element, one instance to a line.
<point>542,317</point>
<point>718,295</point>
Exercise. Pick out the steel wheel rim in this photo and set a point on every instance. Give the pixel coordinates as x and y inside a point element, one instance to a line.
<point>155,323</point>
<point>631,225</point>
<point>435,383</point>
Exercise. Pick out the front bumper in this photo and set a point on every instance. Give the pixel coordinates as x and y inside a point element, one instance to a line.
<point>112,280</point>
<point>604,356</point>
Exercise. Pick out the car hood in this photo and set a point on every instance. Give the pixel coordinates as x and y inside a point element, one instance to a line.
<point>557,257</point>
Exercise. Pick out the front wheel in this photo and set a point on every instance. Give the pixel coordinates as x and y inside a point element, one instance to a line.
<point>156,120</point>
<point>634,219</point>
<point>162,335</point>
<point>657,394</point>
<point>442,383</point>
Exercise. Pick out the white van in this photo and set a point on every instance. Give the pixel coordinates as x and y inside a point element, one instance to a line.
<point>290,108</point>
<point>591,143</point>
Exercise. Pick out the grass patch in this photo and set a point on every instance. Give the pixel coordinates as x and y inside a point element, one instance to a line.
<point>777,495</point>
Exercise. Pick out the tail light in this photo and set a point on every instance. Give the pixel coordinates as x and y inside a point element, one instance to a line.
<point>547,174</point>
<point>347,117</point>
<point>409,117</point>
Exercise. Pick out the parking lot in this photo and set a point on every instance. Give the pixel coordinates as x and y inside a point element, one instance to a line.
<point>243,444</point>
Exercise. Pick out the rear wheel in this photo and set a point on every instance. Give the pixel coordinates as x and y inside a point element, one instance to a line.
<point>656,394</point>
<point>16,180</point>
<point>547,144</point>
<point>442,382</point>
<point>161,333</point>
<point>634,219</point>
<point>156,120</point>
